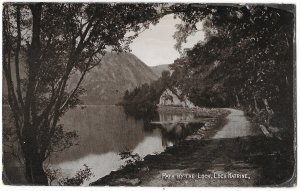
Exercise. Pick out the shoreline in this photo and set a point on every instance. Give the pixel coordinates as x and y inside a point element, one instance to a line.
<point>134,174</point>
<point>207,159</point>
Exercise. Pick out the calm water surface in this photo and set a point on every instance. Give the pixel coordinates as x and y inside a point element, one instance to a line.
<point>104,132</point>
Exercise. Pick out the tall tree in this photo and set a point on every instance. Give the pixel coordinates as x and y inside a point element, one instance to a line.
<point>53,41</point>
<point>247,57</point>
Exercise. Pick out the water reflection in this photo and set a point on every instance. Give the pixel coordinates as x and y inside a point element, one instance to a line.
<point>105,131</point>
<point>167,116</point>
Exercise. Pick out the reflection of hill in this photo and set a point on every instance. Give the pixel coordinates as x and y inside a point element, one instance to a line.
<point>101,129</point>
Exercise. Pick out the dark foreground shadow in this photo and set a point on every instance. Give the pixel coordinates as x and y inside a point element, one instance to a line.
<point>268,161</point>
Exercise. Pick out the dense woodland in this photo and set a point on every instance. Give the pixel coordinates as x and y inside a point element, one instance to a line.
<point>246,61</point>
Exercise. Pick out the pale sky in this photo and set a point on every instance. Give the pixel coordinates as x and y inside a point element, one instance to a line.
<point>155,46</point>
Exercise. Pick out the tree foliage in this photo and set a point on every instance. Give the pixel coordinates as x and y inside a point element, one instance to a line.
<point>55,177</point>
<point>246,60</point>
<point>141,101</point>
<point>52,41</point>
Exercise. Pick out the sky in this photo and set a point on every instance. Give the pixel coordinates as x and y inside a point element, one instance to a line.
<point>155,46</point>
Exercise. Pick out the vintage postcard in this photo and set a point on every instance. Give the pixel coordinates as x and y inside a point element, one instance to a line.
<point>149,94</point>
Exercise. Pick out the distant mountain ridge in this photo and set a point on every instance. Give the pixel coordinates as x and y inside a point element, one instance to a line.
<point>118,72</point>
<point>160,68</point>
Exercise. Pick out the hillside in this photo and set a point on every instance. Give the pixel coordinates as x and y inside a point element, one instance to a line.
<point>117,73</point>
<point>106,83</point>
<point>160,68</point>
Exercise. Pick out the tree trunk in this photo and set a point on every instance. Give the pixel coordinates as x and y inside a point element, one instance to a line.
<point>269,112</point>
<point>255,104</point>
<point>34,158</point>
<point>35,173</point>
<point>237,99</point>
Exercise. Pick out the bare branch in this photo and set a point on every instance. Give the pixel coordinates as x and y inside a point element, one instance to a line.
<point>17,58</point>
<point>12,99</point>
<point>74,90</point>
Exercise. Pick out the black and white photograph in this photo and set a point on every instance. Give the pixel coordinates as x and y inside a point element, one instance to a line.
<point>142,94</point>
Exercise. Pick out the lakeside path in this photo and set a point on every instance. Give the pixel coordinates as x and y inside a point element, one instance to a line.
<point>237,126</point>
<point>238,154</point>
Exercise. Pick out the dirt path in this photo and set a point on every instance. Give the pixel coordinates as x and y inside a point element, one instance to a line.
<point>237,126</point>
<point>221,159</point>
<point>237,155</point>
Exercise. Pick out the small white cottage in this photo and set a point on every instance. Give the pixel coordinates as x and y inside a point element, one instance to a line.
<point>174,97</point>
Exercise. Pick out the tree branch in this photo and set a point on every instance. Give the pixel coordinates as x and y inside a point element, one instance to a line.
<point>19,93</point>
<point>74,90</point>
<point>12,99</point>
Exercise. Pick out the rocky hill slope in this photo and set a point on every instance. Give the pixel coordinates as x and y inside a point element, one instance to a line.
<point>118,72</point>
<point>107,83</point>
